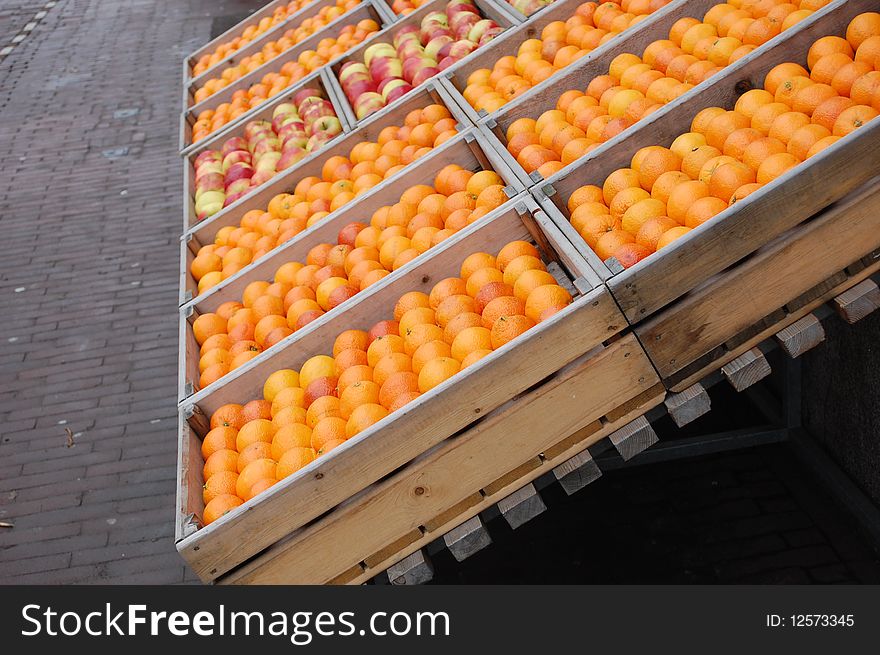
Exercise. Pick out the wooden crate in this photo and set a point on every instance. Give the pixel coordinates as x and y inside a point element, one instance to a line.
<point>577,76</point>
<point>609,378</point>
<point>488,8</point>
<point>265,12</point>
<point>433,93</point>
<point>467,150</point>
<point>319,81</point>
<point>363,11</point>
<point>509,42</point>
<point>740,230</point>
<point>783,282</point>
<point>292,21</point>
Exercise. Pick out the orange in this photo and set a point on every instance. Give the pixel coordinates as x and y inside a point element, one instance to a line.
<point>774,166</point>
<point>228,415</point>
<point>397,384</point>
<point>222,482</point>
<point>477,281</point>
<point>278,381</point>
<point>350,339</point>
<point>821,144</point>
<point>686,142</point>
<point>622,178</point>
<point>760,149</point>
<point>700,122</point>
<point>508,328</point>
<point>429,351</point>
<point>739,140</point>
<point>293,460</point>
<point>781,73</point>
<point>420,334</point>
<point>436,371</point>
<point>208,325</point>
<point>253,452</point>
<point>220,460</point>
<point>826,114</point>
<point>588,193</point>
<point>664,184</point>
<point>682,197</point>
<point>630,254</point>
<point>862,27</point>
<point>869,51</point>
<point>448,287</point>
<point>728,177</point>
<point>288,397</point>
<point>803,139</point>
<point>256,470</point>
<point>517,266</point>
<point>328,429</point>
<point>827,45</point>
<point>254,431</point>
<point>786,124</point>
<point>502,306</point>
<point>671,235</point>
<point>290,436</point>
<point>652,229</point>
<point>363,417</point>
<point>393,363</point>
<point>702,210</point>
<point>609,241</point>
<point>529,280</point>
<point>542,297</point>
<point>316,367</point>
<point>656,161</point>
<point>515,249</point>
<point>744,191</point>
<point>852,118</point>
<point>749,102</point>
<point>634,217</point>
<point>693,162</point>
<point>469,340</point>
<point>865,87</point>
<point>720,127</point>
<point>475,262</point>
<point>218,506</point>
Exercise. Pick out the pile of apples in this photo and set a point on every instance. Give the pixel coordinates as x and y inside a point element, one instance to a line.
<point>416,54</point>
<point>244,163</point>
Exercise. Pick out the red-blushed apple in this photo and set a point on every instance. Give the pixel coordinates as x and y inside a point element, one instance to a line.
<point>438,17</point>
<point>268,161</point>
<point>237,186</point>
<point>425,74</point>
<point>391,83</point>
<point>461,49</point>
<point>288,131</point>
<point>434,45</point>
<point>317,141</point>
<point>340,294</point>
<point>463,26</point>
<point>269,144</point>
<point>308,92</point>
<point>378,50</point>
<point>446,62</point>
<point>284,108</point>
<point>209,204</point>
<point>489,34</point>
<point>209,167</point>
<point>254,127</point>
<point>210,182</point>
<point>238,171</point>
<point>458,6</point>
<point>236,156</point>
<point>350,68</point>
<point>208,155</point>
<point>329,125</point>
<point>397,92</point>
<point>414,65</point>
<point>385,67</point>
<point>349,233</point>
<point>404,33</point>
<point>359,88</point>
<point>233,143</point>
<point>368,103</point>
<point>478,29</point>
<point>290,156</point>
<point>296,140</point>
<point>310,104</point>
<point>231,198</point>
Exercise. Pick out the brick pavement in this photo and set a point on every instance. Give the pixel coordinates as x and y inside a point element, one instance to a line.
<point>90,216</point>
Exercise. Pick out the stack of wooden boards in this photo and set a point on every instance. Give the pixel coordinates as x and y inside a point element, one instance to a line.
<point>631,341</point>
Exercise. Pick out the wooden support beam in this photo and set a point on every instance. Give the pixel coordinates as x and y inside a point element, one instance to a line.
<point>801,336</point>
<point>747,369</point>
<point>413,569</point>
<point>633,438</point>
<point>858,302</point>
<point>576,473</point>
<point>688,405</point>
<point>468,538</point>
<point>521,506</point>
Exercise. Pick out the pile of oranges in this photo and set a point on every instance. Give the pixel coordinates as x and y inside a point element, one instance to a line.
<point>271,84</point>
<point>305,414</point>
<point>728,155</point>
<point>247,35</point>
<point>342,180</point>
<point>272,49</point>
<point>637,86</point>
<point>404,7</point>
<point>302,292</point>
<point>561,44</point>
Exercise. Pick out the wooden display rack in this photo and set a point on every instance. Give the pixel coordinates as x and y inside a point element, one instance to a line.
<point>633,345</point>
<point>468,150</point>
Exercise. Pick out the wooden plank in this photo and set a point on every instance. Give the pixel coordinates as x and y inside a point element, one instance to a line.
<point>576,473</point>
<point>348,576</point>
<point>792,264</point>
<point>802,335</point>
<point>633,438</point>
<point>448,515</point>
<point>414,569</point>
<point>554,451</point>
<point>511,476</point>
<point>687,406</point>
<point>747,369</point>
<point>521,506</point>
<point>400,437</point>
<point>189,480</point>
<point>698,373</point>
<point>392,548</point>
<point>855,304</point>
<point>458,468</point>
<point>467,539</point>
<point>638,401</point>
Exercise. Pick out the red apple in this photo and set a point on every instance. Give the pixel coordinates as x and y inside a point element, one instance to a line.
<point>237,156</point>
<point>367,103</point>
<point>425,74</point>
<point>308,92</point>
<point>289,157</point>
<point>208,155</point>
<point>234,143</point>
